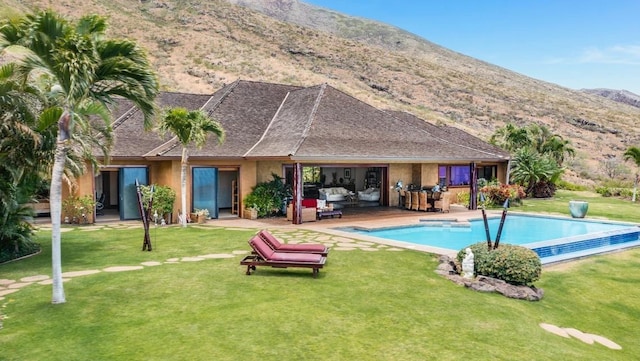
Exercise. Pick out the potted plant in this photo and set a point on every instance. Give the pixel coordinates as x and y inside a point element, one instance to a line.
<point>201,215</point>
<point>163,200</point>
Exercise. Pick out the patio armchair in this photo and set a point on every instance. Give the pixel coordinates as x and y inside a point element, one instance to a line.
<point>415,200</point>
<point>442,204</point>
<point>407,200</point>
<point>263,255</point>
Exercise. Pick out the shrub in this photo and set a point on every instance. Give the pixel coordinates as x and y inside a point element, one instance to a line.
<point>77,209</point>
<point>513,264</point>
<point>163,198</point>
<point>563,184</point>
<point>463,198</point>
<point>268,197</point>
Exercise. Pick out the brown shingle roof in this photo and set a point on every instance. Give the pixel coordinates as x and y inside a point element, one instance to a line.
<point>264,120</point>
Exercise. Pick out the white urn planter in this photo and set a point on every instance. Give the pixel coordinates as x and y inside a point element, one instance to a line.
<point>578,209</point>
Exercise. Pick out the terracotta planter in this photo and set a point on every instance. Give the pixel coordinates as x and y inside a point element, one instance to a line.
<point>578,209</point>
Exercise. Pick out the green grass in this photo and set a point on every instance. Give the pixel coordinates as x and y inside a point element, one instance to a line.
<point>599,207</point>
<point>364,305</point>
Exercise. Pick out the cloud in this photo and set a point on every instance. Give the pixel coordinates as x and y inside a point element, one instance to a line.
<point>617,54</point>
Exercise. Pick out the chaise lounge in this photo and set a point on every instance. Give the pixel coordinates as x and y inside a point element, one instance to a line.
<point>276,245</point>
<point>264,255</point>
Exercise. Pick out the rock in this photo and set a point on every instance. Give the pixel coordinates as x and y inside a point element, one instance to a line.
<point>447,268</point>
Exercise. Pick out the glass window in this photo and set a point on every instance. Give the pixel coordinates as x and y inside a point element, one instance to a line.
<point>460,175</point>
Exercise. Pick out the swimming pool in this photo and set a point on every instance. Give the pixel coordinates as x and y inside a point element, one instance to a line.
<point>552,238</point>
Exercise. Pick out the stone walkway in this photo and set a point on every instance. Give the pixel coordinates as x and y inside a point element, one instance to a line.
<point>287,235</point>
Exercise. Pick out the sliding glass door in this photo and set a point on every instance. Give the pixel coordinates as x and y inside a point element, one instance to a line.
<point>205,189</point>
<point>128,194</point>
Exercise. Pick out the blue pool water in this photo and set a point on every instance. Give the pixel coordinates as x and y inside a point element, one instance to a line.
<point>553,239</point>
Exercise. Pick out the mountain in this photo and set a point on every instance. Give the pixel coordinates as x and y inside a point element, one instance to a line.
<point>622,96</point>
<point>198,46</point>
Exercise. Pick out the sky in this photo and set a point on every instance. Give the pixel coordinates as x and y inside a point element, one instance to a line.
<point>575,44</point>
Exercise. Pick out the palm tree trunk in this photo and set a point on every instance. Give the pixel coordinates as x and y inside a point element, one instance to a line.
<point>56,210</point>
<point>635,188</point>
<point>183,185</point>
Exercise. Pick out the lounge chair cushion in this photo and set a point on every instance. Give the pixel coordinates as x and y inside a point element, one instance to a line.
<point>283,247</point>
<point>263,249</point>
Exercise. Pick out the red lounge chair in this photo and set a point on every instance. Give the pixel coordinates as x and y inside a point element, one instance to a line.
<point>292,248</point>
<point>265,256</point>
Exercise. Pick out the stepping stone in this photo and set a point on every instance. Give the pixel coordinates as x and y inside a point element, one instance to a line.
<point>192,259</point>
<point>605,342</point>
<point>19,285</point>
<point>346,245</point>
<point>584,337</point>
<point>343,248</point>
<point>7,292</point>
<point>240,252</point>
<point>122,268</point>
<point>343,239</point>
<point>173,260</point>
<point>151,263</point>
<point>554,329</point>
<point>50,281</point>
<point>4,282</point>
<point>80,273</point>
<point>219,255</point>
<point>394,249</point>
<point>34,278</point>
<point>369,249</point>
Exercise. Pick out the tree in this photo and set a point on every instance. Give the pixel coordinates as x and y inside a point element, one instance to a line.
<point>189,126</point>
<point>85,73</point>
<point>539,156</point>
<point>510,138</point>
<point>536,172</point>
<point>23,157</point>
<point>633,153</point>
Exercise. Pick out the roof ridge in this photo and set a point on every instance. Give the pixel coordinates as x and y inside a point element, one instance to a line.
<point>123,118</point>
<point>264,134</point>
<point>224,96</point>
<point>312,115</point>
<point>163,148</point>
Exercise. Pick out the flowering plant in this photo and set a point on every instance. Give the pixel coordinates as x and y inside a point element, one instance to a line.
<point>202,212</point>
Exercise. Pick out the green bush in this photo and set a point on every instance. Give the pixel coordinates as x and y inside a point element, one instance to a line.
<point>513,264</point>
<point>163,198</point>
<point>77,209</point>
<point>268,197</point>
<point>563,184</point>
<point>463,198</point>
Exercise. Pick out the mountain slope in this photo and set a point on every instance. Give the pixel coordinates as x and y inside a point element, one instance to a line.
<point>197,46</point>
<point>621,96</point>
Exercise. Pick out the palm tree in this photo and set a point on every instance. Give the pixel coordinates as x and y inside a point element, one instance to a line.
<point>85,71</point>
<point>189,126</point>
<point>633,153</point>
<point>510,137</point>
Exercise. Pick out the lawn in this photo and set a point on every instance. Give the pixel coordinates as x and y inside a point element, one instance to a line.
<point>364,305</point>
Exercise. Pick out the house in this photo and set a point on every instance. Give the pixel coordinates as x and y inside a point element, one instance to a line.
<point>285,129</point>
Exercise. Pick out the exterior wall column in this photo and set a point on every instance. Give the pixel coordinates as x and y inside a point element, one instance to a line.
<point>473,187</point>
<point>297,193</point>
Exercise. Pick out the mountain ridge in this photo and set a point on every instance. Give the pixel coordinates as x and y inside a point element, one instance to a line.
<point>198,46</point>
